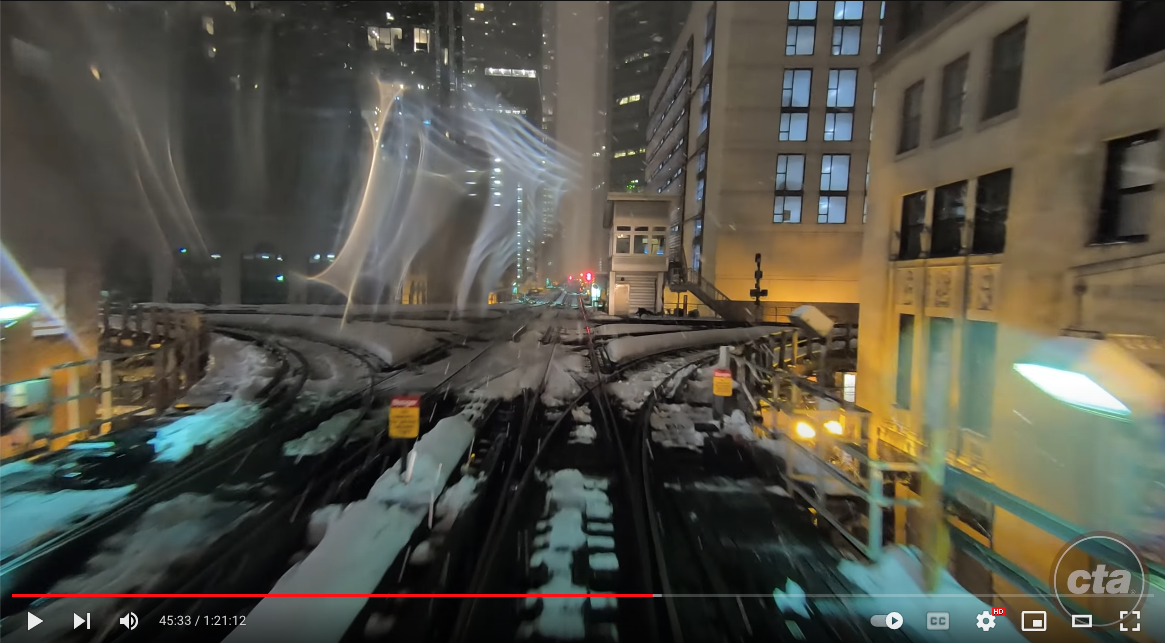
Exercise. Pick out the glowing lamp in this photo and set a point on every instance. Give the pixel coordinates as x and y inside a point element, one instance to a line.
<point>804,431</point>
<point>1075,389</point>
<point>16,312</point>
<point>590,277</point>
<point>834,427</point>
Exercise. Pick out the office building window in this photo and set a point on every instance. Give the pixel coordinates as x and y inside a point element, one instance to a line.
<point>794,127</point>
<point>642,242</point>
<point>847,10</point>
<point>834,188</point>
<point>977,376</point>
<point>709,32</point>
<point>802,11</point>
<point>911,128</point>
<point>839,127</point>
<point>1139,29</point>
<point>799,40</point>
<point>835,173</point>
<point>842,90</point>
<point>954,89</point>
<point>789,188</point>
<point>703,123</point>
<point>795,91</point>
<point>940,347</point>
<point>831,209</point>
<point>787,209</point>
<point>847,40</point>
<point>905,361</point>
<point>706,92</point>
<point>950,212</point>
<point>1126,207</point>
<point>992,199</point>
<point>699,190</point>
<point>880,30</point>
<point>1006,71</point>
<point>702,161</point>
<point>790,172</point>
<point>657,244</point>
<point>910,229</point>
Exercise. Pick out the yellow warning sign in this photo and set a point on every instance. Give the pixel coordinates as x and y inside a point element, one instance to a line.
<point>722,382</point>
<point>404,417</point>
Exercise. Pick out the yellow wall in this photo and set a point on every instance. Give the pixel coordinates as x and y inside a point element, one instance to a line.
<point>1070,105</point>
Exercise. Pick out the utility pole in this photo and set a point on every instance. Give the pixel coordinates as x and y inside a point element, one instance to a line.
<point>757,292</point>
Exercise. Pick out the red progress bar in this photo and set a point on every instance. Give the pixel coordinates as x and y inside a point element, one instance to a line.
<point>334,595</point>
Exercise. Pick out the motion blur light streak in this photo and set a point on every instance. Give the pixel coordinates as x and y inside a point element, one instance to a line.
<point>415,201</point>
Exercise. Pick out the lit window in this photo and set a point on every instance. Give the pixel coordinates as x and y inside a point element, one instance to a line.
<point>802,11</point>
<point>511,73</point>
<point>787,209</point>
<point>420,39</point>
<point>790,172</point>
<point>479,6</point>
<point>799,40</point>
<point>839,127</point>
<point>835,172</point>
<point>842,89</point>
<point>847,10</point>
<point>847,40</point>
<point>633,98</point>
<point>794,127</point>
<point>831,209</point>
<point>795,90</point>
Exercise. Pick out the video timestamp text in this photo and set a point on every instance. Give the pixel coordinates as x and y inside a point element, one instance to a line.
<point>188,620</point>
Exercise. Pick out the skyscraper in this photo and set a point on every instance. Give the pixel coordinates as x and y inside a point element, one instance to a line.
<point>642,35</point>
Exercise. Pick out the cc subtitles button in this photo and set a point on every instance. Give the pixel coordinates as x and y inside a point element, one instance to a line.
<point>893,620</point>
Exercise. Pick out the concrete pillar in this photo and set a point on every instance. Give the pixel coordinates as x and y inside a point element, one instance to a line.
<point>231,277</point>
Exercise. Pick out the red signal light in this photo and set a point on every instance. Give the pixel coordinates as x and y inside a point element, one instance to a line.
<point>590,277</point>
<point>570,277</point>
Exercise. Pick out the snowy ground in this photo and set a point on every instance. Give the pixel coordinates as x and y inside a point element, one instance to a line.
<point>28,518</point>
<point>211,426</point>
<point>392,344</point>
<point>236,369</point>
<point>136,559</point>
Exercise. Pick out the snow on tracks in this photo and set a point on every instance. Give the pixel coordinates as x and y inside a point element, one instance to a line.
<point>394,345</point>
<point>625,349</point>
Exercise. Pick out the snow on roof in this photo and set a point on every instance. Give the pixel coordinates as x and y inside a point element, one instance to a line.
<point>629,348</point>
<point>321,438</point>
<point>393,344</point>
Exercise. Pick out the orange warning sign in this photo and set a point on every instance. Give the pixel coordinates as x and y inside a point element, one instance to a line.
<point>404,417</point>
<point>722,382</point>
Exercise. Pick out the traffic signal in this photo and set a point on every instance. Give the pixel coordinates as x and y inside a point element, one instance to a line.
<point>590,277</point>
<point>570,277</point>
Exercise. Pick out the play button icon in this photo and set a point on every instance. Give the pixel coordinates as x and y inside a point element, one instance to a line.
<point>33,621</point>
<point>893,620</point>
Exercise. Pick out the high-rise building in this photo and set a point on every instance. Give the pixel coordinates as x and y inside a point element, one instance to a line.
<point>503,53</point>
<point>766,139</point>
<point>575,114</point>
<point>642,35</point>
<point>1012,308</point>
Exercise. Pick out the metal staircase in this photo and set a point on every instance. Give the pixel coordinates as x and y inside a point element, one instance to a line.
<point>680,278</point>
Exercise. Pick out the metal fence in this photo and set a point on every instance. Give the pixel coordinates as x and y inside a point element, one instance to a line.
<point>148,358</point>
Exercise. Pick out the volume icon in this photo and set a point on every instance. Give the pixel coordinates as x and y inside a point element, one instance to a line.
<point>130,621</point>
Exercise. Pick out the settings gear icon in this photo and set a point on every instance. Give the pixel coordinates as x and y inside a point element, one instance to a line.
<point>986,621</point>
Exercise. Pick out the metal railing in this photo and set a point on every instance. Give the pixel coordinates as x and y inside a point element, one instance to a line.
<point>831,447</point>
<point>113,391</point>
